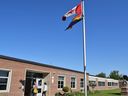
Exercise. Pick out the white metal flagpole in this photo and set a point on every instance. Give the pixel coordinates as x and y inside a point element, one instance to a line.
<point>84,50</point>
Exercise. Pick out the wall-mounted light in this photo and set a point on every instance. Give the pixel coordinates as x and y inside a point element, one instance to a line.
<point>53,77</point>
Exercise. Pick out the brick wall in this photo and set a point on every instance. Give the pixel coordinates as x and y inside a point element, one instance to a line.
<point>19,73</point>
<point>19,69</point>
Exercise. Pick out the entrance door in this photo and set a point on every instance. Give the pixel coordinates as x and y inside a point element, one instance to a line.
<point>32,76</point>
<point>28,88</point>
<point>39,82</point>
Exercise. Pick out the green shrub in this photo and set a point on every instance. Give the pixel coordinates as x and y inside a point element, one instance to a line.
<point>58,94</point>
<point>75,94</point>
<point>65,89</point>
<point>70,94</point>
<point>79,94</point>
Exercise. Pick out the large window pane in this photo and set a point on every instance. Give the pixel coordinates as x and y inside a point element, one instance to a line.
<point>3,87</point>
<point>3,79</point>
<point>109,83</point>
<point>3,83</point>
<point>73,82</point>
<point>60,81</point>
<point>61,78</point>
<point>100,83</point>
<point>4,73</point>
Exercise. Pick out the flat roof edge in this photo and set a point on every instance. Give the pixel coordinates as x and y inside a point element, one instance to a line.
<point>36,63</point>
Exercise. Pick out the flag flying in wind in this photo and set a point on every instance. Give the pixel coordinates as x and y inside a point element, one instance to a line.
<point>77,10</point>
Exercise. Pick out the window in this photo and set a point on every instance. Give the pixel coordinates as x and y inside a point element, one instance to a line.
<point>109,83</point>
<point>73,82</point>
<point>100,83</point>
<point>4,79</point>
<point>114,84</point>
<point>60,81</point>
<point>3,83</point>
<point>82,83</point>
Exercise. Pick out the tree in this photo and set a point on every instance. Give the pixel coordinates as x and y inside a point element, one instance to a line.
<point>101,75</point>
<point>125,77</point>
<point>115,75</point>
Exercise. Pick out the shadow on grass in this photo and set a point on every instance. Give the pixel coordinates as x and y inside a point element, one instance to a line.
<point>118,94</point>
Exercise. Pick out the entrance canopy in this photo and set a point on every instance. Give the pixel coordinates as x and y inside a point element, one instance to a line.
<point>36,74</point>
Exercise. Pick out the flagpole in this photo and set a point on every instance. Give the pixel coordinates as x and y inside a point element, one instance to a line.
<point>84,50</point>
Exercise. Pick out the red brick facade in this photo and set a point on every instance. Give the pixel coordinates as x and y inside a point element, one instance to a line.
<point>19,73</point>
<point>18,69</point>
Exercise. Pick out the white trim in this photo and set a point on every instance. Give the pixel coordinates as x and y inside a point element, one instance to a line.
<point>75,82</point>
<point>64,81</point>
<point>91,78</point>
<point>112,80</point>
<point>8,81</point>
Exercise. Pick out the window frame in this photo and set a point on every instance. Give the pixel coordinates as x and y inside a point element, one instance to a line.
<point>75,82</point>
<point>63,81</point>
<point>81,83</point>
<point>8,79</point>
<point>110,84</point>
<point>101,83</point>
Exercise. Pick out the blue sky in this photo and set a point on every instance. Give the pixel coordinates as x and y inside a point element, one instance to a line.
<point>33,30</point>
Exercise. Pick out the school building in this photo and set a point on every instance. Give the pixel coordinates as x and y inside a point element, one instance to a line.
<point>17,76</point>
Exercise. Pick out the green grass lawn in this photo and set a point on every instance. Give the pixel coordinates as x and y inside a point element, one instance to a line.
<point>115,92</point>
